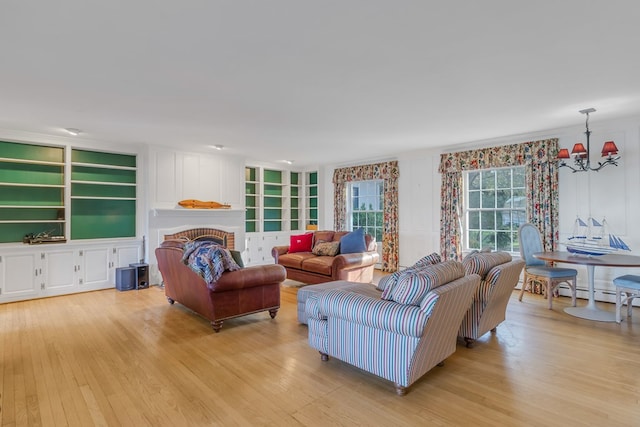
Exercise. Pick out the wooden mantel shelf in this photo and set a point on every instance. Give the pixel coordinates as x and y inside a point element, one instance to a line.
<point>195,212</point>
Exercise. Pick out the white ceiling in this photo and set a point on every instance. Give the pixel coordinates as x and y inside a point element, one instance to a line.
<point>315,82</point>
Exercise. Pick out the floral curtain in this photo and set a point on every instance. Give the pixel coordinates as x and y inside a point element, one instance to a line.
<point>388,172</point>
<point>541,181</point>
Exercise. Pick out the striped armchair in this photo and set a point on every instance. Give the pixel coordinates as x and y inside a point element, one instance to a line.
<point>500,275</point>
<point>403,334</point>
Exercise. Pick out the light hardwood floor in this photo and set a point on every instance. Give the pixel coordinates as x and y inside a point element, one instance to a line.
<point>129,358</point>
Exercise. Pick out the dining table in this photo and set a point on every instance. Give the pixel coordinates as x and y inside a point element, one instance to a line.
<point>591,311</point>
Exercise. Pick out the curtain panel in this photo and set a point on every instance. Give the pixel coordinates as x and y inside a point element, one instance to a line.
<point>388,172</point>
<point>541,181</point>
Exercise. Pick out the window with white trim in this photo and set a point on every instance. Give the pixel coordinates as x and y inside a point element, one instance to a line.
<point>365,206</point>
<point>496,206</point>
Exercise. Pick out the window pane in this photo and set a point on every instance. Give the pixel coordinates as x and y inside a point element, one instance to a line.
<point>503,176</point>
<point>474,240</point>
<point>518,177</point>
<point>474,180</point>
<point>504,198</point>
<point>474,199</point>
<point>488,199</point>
<point>488,239</point>
<point>474,220</point>
<point>488,180</point>
<point>488,220</point>
<point>504,241</point>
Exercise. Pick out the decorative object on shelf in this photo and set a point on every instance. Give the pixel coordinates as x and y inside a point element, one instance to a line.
<point>199,204</point>
<point>44,237</point>
<point>593,238</point>
<point>581,154</point>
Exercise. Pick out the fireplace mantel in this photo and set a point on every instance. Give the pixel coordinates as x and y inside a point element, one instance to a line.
<point>170,220</point>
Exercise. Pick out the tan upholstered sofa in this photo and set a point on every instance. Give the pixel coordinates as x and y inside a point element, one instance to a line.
<point>309,268</point>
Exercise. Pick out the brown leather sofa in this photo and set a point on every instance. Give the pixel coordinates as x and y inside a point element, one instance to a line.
<point>237,293</point>
<point>309,268</point>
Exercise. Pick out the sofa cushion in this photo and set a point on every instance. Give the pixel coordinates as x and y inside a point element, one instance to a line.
<point>326,249</point>
<point>294,260</point>
<point>414,284</point>
<point>318,264</point>
<point>480,263</point>
<point>300,243</point>
<point>353,242</point>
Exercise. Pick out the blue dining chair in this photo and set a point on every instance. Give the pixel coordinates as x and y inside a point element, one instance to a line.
<point>537,271</point>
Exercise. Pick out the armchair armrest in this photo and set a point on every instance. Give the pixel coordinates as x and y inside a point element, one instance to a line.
<point>349,261</point>
<point>276,251</point>
<point>249,277</point>
<point>373,312</point>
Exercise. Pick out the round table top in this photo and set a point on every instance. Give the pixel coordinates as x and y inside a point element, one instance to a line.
<point>608,260</point>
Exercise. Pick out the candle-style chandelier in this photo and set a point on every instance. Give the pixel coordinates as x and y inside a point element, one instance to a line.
<point>581,155</point>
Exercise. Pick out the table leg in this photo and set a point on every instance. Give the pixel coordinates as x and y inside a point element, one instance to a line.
<point>590,311</point>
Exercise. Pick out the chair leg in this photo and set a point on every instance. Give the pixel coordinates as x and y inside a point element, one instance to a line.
<point>574,291</point>
<point>630,304</point>
<point>618,306</point>
<point>524,286</point>
<point>549,293</point>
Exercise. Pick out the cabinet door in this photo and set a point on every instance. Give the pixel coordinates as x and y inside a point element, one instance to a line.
<point>19,277</point>
<point>93,268</point>
<point>58,272</point>
<point>122,256</point>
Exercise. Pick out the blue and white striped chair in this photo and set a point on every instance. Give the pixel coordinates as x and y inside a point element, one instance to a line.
<point>500,274</point>
<point>400,336</point>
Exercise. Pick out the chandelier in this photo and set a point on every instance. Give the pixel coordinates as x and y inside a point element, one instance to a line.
<point>580,154</point>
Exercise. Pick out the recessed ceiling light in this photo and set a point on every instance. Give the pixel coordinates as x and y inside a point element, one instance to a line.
<point>289,162</point>
<point>217,147</point>
<point>73,131</point>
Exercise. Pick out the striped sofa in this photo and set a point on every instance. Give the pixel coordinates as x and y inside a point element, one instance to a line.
<point>500,274</point>
<point>401,335</point>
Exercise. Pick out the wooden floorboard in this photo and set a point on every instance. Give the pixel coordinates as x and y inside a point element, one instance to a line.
<point>112,358</point>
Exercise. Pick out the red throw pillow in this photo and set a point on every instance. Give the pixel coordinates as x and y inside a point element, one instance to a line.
<point>301,243</point>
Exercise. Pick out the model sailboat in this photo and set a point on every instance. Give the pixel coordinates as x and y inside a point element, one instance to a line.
<point>593,238</point>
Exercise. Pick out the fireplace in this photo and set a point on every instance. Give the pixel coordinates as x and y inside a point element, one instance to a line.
<point>229,224</point>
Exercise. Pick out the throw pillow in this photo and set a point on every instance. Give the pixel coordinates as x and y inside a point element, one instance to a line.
<point>237,257</point>
<point>300,243</point>
<point>386,284</point>
<point>326,249</point>
<point>431,259</point>
<point>352,243</point>
<point>413,285</point>
<point>411,288</point>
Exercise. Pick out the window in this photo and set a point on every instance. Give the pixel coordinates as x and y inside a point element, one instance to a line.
<point>496,207</point>
<point>365,206</point>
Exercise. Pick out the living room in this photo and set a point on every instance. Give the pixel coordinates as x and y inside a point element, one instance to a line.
<point>482,112</point>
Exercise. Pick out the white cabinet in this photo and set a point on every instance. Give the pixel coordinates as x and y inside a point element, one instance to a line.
<point>58,274</point>
<point>47,270</point>
<point>19,276</point>
<point>258,247</point>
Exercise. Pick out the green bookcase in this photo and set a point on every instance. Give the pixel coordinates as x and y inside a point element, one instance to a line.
<point>311,196</point>
<point>103,194</point>
<point>32,191</point>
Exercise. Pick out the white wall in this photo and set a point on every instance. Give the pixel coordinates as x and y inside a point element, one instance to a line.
<point>613,192</point>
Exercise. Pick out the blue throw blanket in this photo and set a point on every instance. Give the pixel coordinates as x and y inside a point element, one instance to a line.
<point>209,260</point>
